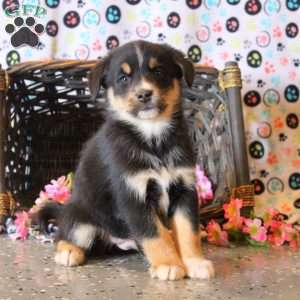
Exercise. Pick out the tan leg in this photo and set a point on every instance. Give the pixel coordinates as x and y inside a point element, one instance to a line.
<point>189,244</point>
<point>68,254</point>
<point>162,254</point>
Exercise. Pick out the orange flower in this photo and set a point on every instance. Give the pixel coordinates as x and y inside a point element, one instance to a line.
<point>215,234</point>
<point>233,214</point>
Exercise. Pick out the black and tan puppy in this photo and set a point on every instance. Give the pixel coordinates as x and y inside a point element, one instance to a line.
<point>134,184</point>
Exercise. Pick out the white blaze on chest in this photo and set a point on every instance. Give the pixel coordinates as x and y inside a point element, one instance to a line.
<point>137,182</point>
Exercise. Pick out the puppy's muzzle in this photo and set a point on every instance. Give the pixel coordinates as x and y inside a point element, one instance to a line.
<point>144,96</point>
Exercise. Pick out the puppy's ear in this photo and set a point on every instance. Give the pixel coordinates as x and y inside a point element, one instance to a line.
<point>186,66</point>
<point>96,77</point>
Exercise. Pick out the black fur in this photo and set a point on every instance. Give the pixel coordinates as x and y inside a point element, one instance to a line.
<point>100,196</point>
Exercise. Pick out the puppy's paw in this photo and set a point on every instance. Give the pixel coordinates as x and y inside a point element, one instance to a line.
<point>199,268</point>
<point>68,254</point>
<point>168,272</point>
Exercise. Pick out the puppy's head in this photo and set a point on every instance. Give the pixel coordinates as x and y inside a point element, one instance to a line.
<point>143,80</point>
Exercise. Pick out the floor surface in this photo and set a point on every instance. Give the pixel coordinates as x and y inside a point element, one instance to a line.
<point>27,271</point>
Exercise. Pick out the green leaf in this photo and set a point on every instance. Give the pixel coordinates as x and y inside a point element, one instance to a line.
<point>256,243</point>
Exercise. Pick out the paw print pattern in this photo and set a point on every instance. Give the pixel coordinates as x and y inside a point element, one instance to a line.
<point>264,173</point>
<point>292,4</point>
<point>173,20</point>
<point>161,37</point>
<point>10,5</point>
<point>292,121</point>
<point>133,2</point>
<point>264,130</point>
<point>294,181</point>
<point>292,30</point>
<point>252,98</point>
<point>113,14</point>
<point>112,42</point>
<point>282,137</point>
<point>52,28</point>
<point>253,7</point>
<point>232,24</point>
<point>256,150</point>
<point>71,19</point>
<point>194,53</point>
<point>237,56</point>
<point>193,4</point>
<point>263,39</point>
<point>13,58</point>
<point>80,3</point>
<point>254,59</point>
<point>291,93</point>
<point>24,34</point>
<point>297,203</point>
<point>275,185</point>
<point>91,18</point>
<point>52,3</point>
<point>260,83</point>
<point>280,47</point>
<point>233,2</point>
<point>259,186</point>
<point>296,62</point>
<point>220,41</point>
<point>269,68</point>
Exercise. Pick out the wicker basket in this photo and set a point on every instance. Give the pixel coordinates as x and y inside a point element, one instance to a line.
<point>47,114</point>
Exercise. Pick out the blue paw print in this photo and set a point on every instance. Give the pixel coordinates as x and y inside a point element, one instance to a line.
<point>91,18</point>
<point>293,4</point>
<point>212,3</point>
<point>272,6</point>
<point>291,93</point>
<point>113,14</point>
<point>145,13</point>
<point>52,3</point>
<point>233,2</point>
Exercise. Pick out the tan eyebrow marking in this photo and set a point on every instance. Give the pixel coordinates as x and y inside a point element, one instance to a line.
<point>126,68</point>
<point>152,63</point>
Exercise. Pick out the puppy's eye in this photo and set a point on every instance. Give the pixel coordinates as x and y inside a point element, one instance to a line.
<point>123,78</point>
<point>158,72</point>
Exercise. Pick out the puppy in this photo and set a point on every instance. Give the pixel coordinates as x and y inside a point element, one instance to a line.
<point>134,185</point>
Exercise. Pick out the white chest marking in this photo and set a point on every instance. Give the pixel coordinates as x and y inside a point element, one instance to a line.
<point>138,182</point>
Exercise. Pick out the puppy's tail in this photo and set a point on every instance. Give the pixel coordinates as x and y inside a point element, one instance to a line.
<point>49,213</point>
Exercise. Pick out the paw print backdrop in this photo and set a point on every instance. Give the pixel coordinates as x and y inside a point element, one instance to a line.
<point>263,36</point>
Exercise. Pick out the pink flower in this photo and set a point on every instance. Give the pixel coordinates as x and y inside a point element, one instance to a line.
<point>203,186</point>
<point>215,234</point>
<point>58,190</point>
<point>293,237</point>
<point>22,223</point>
<point>269,216</point>
<point>278,233</point>
<point>255,229</point>
<point>233,214</point>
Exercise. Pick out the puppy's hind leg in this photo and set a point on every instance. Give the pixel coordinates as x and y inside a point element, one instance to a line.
<point>76,237</point>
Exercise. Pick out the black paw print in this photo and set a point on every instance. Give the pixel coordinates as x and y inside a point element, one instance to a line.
<point>237,56</point>
<point>80,3</point>
<point>282,137</point>
<point>294,181</point>
<point>24,33</point>
<point>260,83</point>
<point>161,37</point>
<point>188,38</point>
<point>296,62</point>
<point>220,41</point>
<point>280,47</point>
<point>264,173</point>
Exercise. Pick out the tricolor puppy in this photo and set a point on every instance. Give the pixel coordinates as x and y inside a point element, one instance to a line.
<point>134,185</point>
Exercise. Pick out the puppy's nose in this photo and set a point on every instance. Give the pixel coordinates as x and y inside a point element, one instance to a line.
<point>144,96</point>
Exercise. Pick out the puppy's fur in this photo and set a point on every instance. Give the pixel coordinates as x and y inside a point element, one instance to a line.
<point>134,185</point>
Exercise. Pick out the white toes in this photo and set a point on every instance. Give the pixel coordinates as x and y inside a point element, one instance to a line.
<point>168,272</point>
<point>199,268</point>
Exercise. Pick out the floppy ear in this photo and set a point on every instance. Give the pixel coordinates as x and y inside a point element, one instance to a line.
<point>96,78</point>
<point>186,66</point>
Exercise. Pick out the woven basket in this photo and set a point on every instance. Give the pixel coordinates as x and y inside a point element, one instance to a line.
<point>50,116</point>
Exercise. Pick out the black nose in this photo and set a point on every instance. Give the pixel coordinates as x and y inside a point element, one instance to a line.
<point>144,96</point>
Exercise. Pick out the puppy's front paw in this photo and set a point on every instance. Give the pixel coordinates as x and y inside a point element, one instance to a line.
<point>199,268</point>
<point>68,254</point>
<point>168,272</point>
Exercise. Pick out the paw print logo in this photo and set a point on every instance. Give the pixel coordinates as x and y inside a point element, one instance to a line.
<point>193,4</point>
<point>194,53</point>
<point>260,83</point>
<point>203,34</point>
<point>80,3</point>
<point>232,24</point>
<point>292,30</point>
<point>282,137</point>
<point>173,20</point>
<point>271,97</point>
<point>52,28</point>
<point>256,150</point>
<point>272,6</point>
<point>294,181</point>
<point>91,18</point>
<point>296,62</point>
<point>264,130</point>
<point>71,19</point>
<point>220,41</point>
<point>293,4</point>
<point>291,93</point>
<point>113,14</point>
<point>238,56</point>
<point>259,187</point>
<point>253,7</point>
<point>275,185</point>
<point>52,3</point>
<point>96,46</point>
<point>269,68</point>
<point>112,42</point>
<point>24,34</point>
<point>264,173</point>
<point>277,33</point>
<point>252,98</point>
<point>280,47</point>
<point>292,121</point>
<point>161,37</point>
<point>217,27</point>
<point>157,22</point>
<point>263,39</point>
<point>254,59</point>
<point>12,58</point>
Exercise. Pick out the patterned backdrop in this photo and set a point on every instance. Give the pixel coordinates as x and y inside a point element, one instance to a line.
<point>263,36</point>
